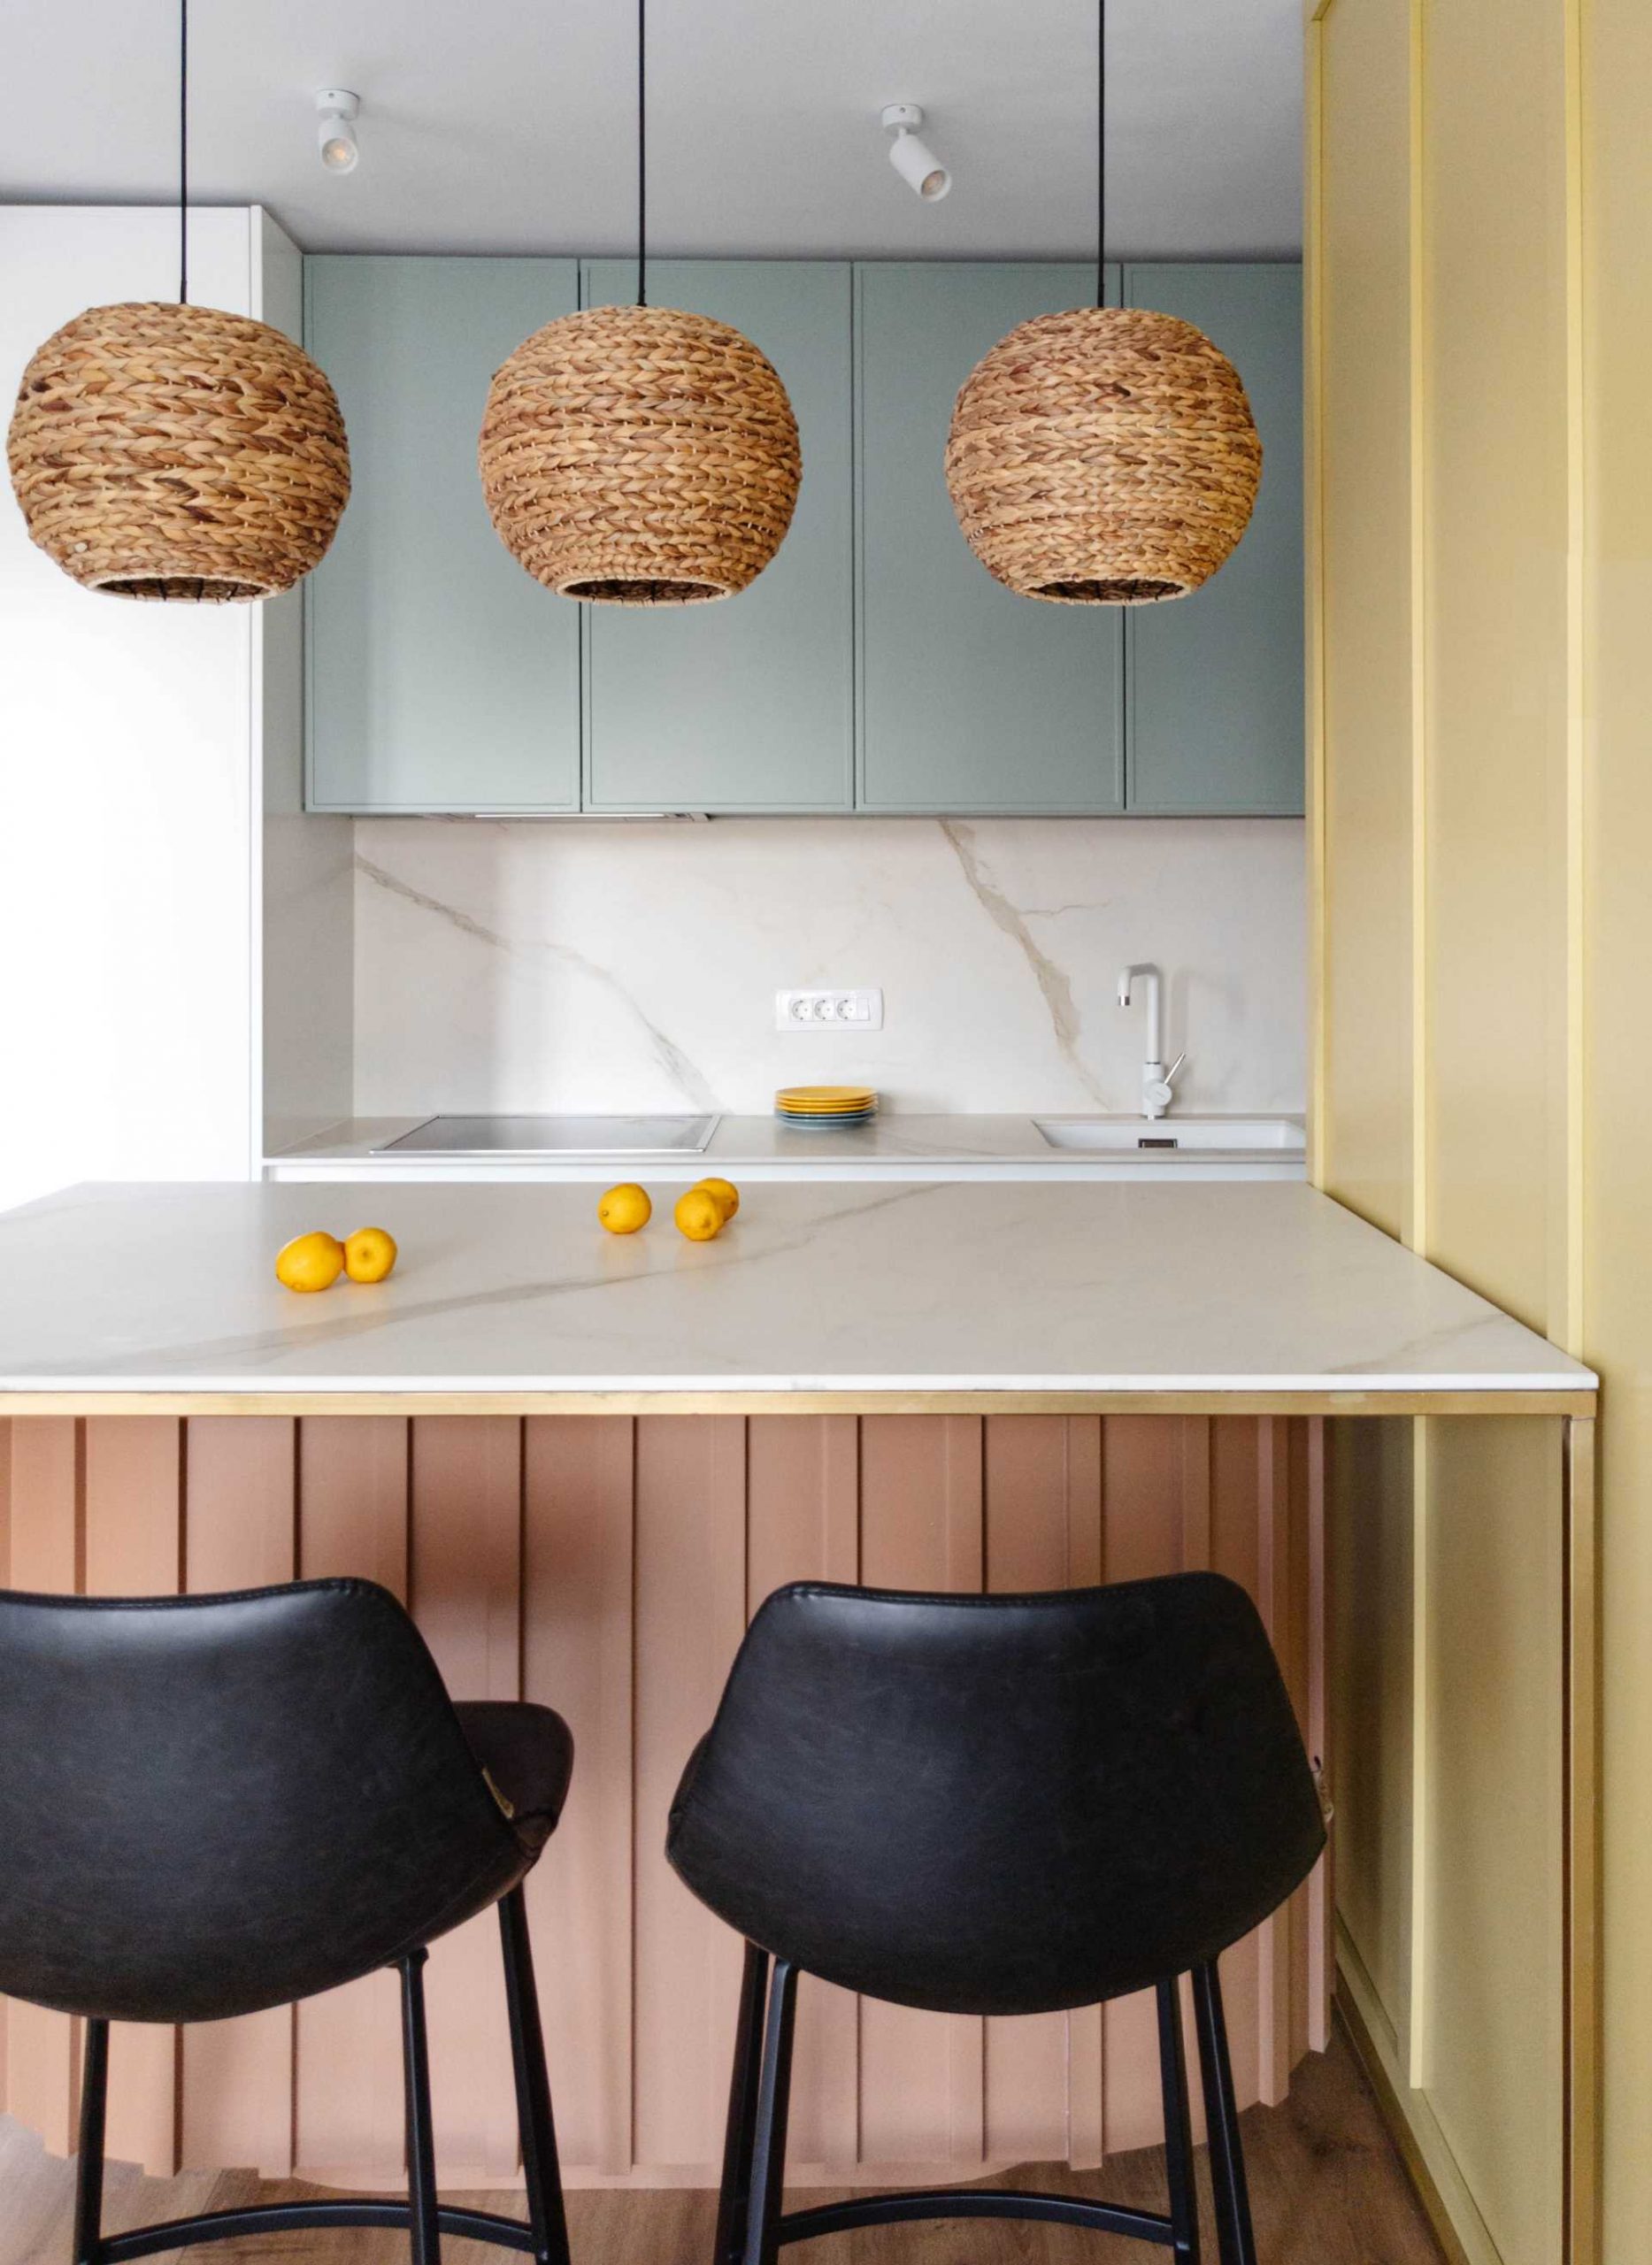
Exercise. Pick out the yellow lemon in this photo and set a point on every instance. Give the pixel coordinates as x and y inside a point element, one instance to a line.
<point>725,1192</point>
<point>699,1215</point>
<point>311,1261</point>
<point>624,1208</point>
<point>369,1254</point>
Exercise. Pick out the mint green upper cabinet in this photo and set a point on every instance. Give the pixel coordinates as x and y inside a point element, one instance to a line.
<point>441,676</point>
<point>1216,680</point>
<point>874,664</point>
<point>970,698</point>
<point>745,704</point>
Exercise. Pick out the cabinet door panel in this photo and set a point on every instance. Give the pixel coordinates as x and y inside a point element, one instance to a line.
<point>746,703</point>
<point>441,676</point>
<point>1216,680</point>
<point>971,699</point>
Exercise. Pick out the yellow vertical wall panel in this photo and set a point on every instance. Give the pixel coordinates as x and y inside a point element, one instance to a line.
<point>1494,652</point>
<point>1494,657</point>
<point>1616,155</point>
<point>1493,2053</point>
<point>1365,537</point>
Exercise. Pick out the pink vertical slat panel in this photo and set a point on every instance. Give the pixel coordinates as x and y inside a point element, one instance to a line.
<point>5,1582</point>
<point>803,1524</point>
<point>466,1598</point>
<point>1300,1659</point>
<point>577,1573</point>
<point>690,1615</point>
<point>236,2095</point>
<point>1234,1518</point>
<point>1087,2103</point>
<point>1273,1936</point>
<point>1030,1513</point>
<point>922,2077</point>
<point>1197,1482</point>
<point>1198,1536</point>
<point>1321,1903</point>
<point>1297,1665</point>
<point>348,2114</point>
<point>134,1498</point>
<point>1145,1516</point>
<point>48,1539</point>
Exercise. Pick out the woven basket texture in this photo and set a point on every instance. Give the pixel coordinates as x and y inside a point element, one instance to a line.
<point>638,456</point>
<point>1103,457</point>
<point>168,451</point>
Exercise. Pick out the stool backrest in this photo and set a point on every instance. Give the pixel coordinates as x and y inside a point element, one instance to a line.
<point>213,1804</point>
<point>1000,1804</point>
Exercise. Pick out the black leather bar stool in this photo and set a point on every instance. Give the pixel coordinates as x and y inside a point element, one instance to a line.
<point>995,1805</point>
<point>210,1805</point>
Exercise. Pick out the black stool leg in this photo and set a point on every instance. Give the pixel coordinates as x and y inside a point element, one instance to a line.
<point>88,2170</point>
<point>1235,2242</point>
<point>734,2199</point>
<point>768,2166</point>
<point>541,2169</point>
<point>1184,2193</point>
<point>421,2154</point>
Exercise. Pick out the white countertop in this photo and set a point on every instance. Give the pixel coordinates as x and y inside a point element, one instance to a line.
<point>895,1144</point>
<point>828,1287</point>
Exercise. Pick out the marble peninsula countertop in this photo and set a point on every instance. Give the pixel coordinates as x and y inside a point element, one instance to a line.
<point>845,1294</point>
<point>896,1145</point>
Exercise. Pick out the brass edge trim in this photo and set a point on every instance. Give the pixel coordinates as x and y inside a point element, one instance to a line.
<point>1314,405</point>
<point>1418,1225</point>
<point>1583,2009</point>
<point>1574,1320</point>
<point>1418,1996</point>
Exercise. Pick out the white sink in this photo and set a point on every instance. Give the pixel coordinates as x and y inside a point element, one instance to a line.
<point>1172,1135</point>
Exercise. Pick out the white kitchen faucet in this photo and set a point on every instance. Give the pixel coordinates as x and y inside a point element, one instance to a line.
<point>1157,1082</point>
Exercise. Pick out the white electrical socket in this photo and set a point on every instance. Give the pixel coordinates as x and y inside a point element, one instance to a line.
<point>828,1009</point>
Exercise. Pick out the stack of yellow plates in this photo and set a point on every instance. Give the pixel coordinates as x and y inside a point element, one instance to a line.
<point>833,1106</point>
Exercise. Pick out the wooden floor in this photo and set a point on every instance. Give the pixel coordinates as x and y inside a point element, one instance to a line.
<point>1327,2188</point>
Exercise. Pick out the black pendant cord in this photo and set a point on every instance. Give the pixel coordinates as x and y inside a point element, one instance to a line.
<point>1100,153</point>
<point>642,153</point>
<point>183,152</point>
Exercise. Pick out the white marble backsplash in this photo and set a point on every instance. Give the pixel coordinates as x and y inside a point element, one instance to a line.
<point>511,966</point>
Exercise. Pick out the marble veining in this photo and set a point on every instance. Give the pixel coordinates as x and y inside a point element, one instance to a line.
<point>1055,985</point>
<point>686,1079</point>
<point>1012,1285</point>
<point>594,966</point>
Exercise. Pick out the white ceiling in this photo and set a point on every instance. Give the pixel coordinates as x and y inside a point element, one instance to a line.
<point>509,125</point>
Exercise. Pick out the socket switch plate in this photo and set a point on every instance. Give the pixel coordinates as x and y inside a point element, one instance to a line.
<point>828,1009</point>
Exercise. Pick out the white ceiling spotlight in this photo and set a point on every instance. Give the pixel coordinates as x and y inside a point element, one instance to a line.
<point>336,112</point>
<point>914,160</point>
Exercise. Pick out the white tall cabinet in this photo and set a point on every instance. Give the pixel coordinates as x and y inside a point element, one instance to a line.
<point>141,747</point>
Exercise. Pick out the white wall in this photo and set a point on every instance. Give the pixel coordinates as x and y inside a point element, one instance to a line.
<point>126,892</point>
<point>304,986</point>
<point>522,966</point>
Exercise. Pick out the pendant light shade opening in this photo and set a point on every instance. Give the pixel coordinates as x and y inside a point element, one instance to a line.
<point>640,455</point>
<point>168,451</point>
<point>1103,457</point>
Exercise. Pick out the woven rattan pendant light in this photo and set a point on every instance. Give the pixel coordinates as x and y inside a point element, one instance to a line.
<point>639,455</point>
<point>1106,455</point>
<point>171,451</point>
